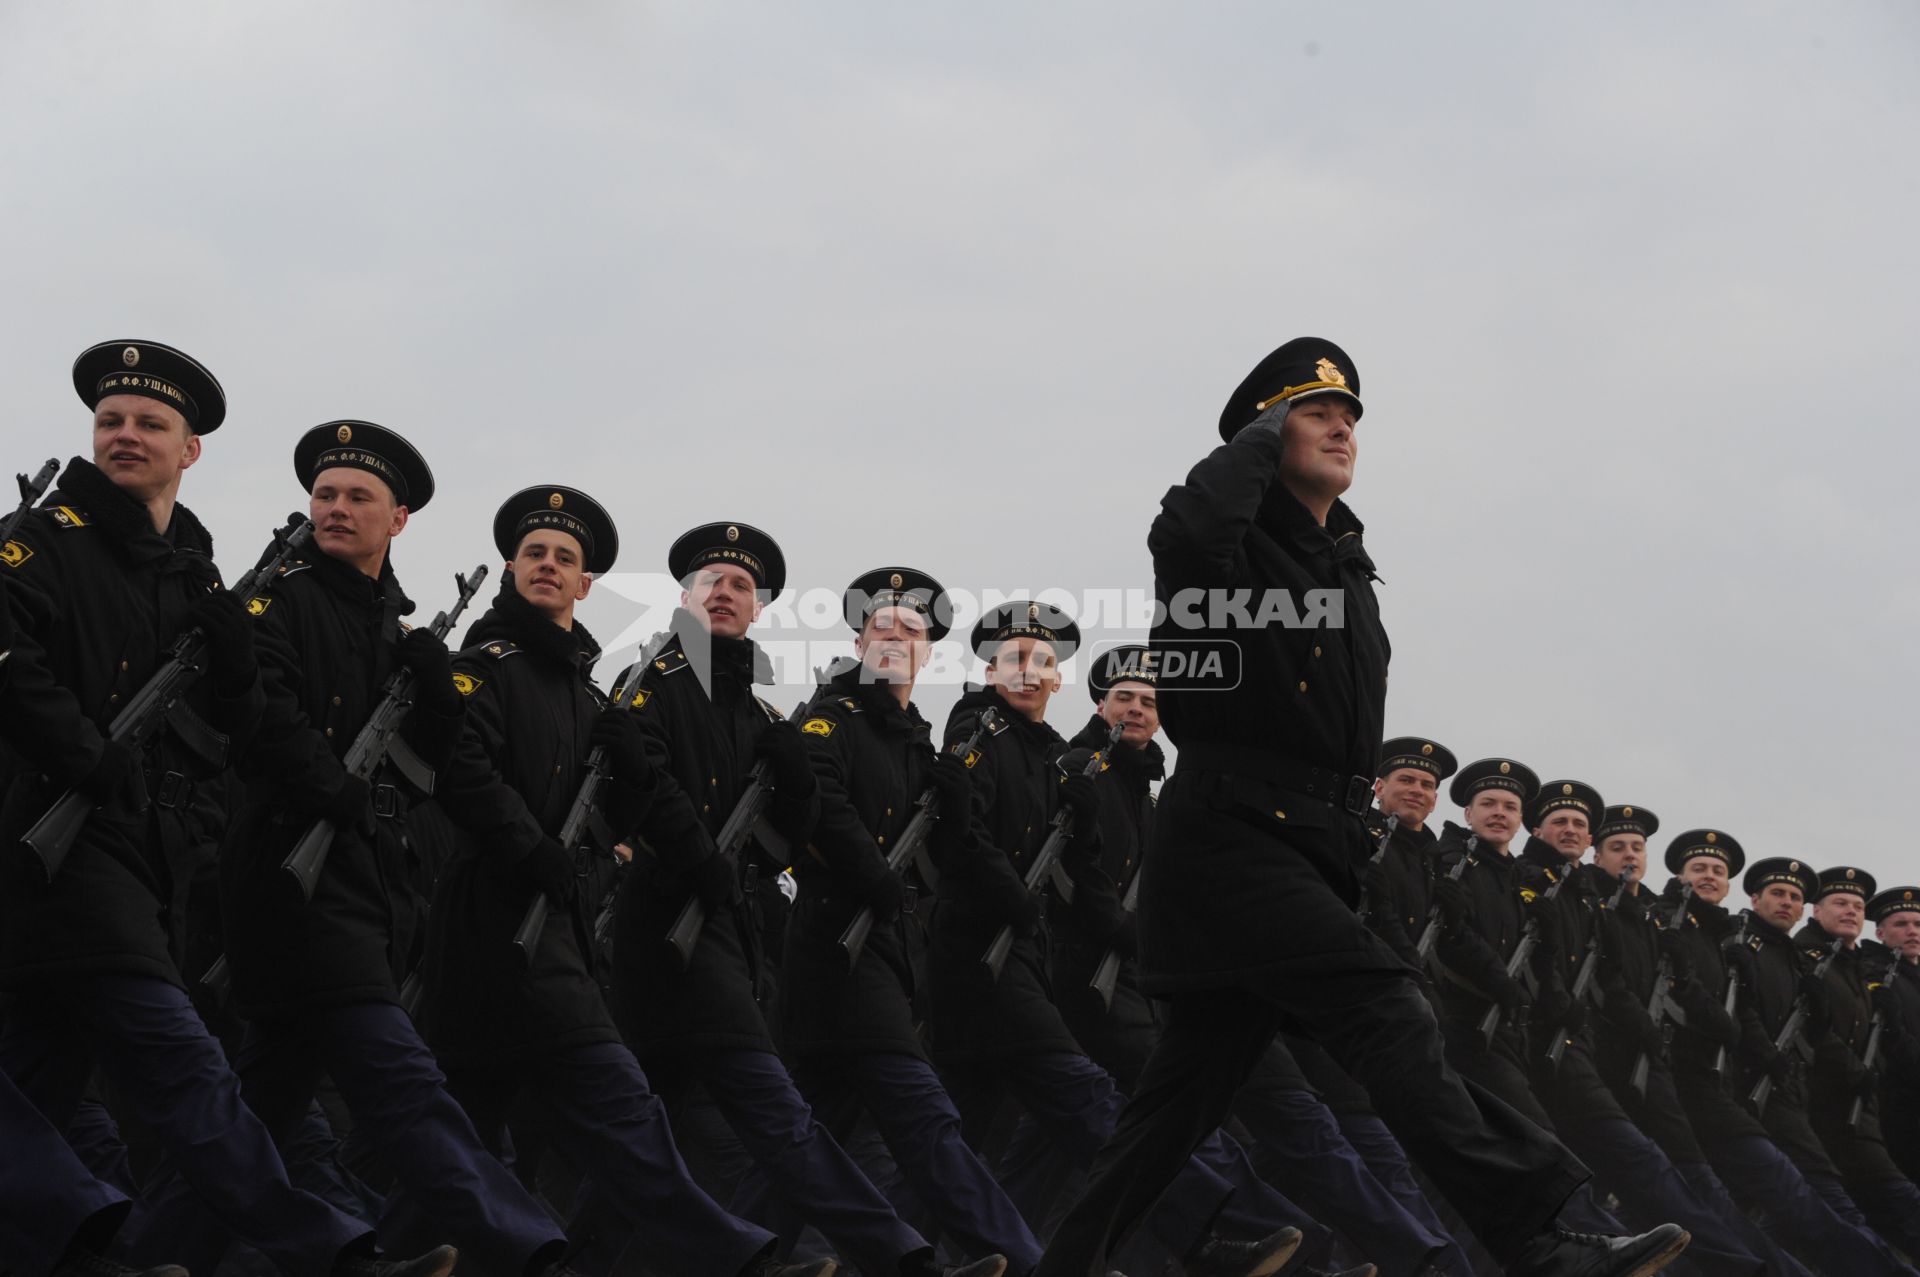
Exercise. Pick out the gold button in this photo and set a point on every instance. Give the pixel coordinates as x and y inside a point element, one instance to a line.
<point>112,698</point>
<point>1303,684</point>
<point>705,808</point>
<point>556,769</point>
<point>1279,815</point>
<point>713,780</point>
<point>329,731</point>
<point>336,700</point>
<point>889,811</point>
<point>123,667</point>
<point>882,840</point>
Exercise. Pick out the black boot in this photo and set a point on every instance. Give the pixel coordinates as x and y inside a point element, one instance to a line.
<point>437,1262</point>
<point>922,1264</point>
<point>1219,1257</point>
<point>768,1266</point>
<point>1559,1253</point>
<point>81,1262</point>
<point>1362,1270</point>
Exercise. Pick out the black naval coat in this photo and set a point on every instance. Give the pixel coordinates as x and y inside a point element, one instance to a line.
<point>1713,1110</point>
<point>1473,957</point>
<point>872,760</point>
<point>1631,953</point>
<point>1399,916</point>
<point>1839,1071</point>
<point>1119,1038</point>
<point>95,596</point>
<point>1016,790</point>
<point>531,704</point>
<point>1778,965</point>
<point>1583,891</point>
<point>327,637</point>
<point>1288,757</point>
<point>1900,1074</point>
<point>702,722</point>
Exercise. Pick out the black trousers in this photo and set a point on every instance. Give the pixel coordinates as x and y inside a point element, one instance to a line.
<point>1506,1176</point>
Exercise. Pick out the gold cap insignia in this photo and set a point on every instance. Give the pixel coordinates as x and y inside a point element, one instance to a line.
<point>1033,611</point>
<point>896,580</point>
<point>1793,866</point>
<point>733,533</point>
<point>344,434</point>
<point>1712,837</point>
<point>1906,895</point>
<point>1627,812</point>
<point>555,501</point>
<point>1426,749</point>
<point>1330,371</point>
<point>1850,875</point>
<point>130,356</point>
<point>1505,768</point>
<point>1566,789</point>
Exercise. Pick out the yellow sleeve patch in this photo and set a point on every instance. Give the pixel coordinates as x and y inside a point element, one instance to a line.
<point>258,604</point>
<point>466,684</point>
<point>640,697</point>
<point>973,757</point>
<point>818,727</point>
<point>13,553</point>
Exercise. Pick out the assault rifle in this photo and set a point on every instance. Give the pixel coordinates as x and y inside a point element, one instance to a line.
<point>853,941</point>
<point>1664,1011</point>
<point>1522,954</point>
<point>995,958</point>
<point>378,740</point>
<point>1871,1055</point>
<point>1430,934</point>
<point>1589,968</point>
<point>1379,855</point>
<point>141,718</point>
<point>747,818</point>
<point>1789,1034</point>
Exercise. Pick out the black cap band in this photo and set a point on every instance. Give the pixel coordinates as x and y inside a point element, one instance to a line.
<point>730,555</point>
<point>560,521</point>
<point>361,459</point>
<point>139,383</point>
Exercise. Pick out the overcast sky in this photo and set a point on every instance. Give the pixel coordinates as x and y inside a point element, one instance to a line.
<point>1631,287</point>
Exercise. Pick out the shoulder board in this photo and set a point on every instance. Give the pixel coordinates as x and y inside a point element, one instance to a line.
<point>499,649</point>
<point>849,704</point>
<point>773,715</point>
<point>1754,943</point>
<point>297,566</point>
<point>65,516</point>
<point>669,662</point>
<point>1000,724</point>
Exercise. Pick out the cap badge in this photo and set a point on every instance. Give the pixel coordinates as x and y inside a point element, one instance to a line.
<point>1712,837</point>
<point>896,580</point>
<point>1793,866</point>
<point>130,356</point>
<point>1505,768</point>
<point>344,434</point>
<point>1627,812</point>
<point>1330,371</point>
<point>555,501</point>
<point>1906,895</point>
<point>1566,789</point>
<point>1033,611</point>
<point>1850,875</point>
<point>1427,748</point>
<point>733,533</point>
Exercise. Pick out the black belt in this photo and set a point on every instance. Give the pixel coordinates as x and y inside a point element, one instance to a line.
<point>1334,788</point>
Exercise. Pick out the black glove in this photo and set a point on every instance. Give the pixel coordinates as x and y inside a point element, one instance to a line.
<point>1512,997</point>
<point>351,806</point>
<point>229,633</point>
<point>549,868</point>
<point>1779,1066</point>
<point>1125,938</point>
<point>1673,947</point>
<point>1078,796</point>
<point>426,656</point>
<point>714,878</point>
<point>1819,1016</point>
<point>885,895</point>
<point>1553,1007</point>
<point>786,757</point>
<point>1455,904</point>
<point>1379,890</point>
<point>1740,962</point>
<point>618,732</point>
<point>953,786</point>
<point>116,781</point>
<point>1015,905</point>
